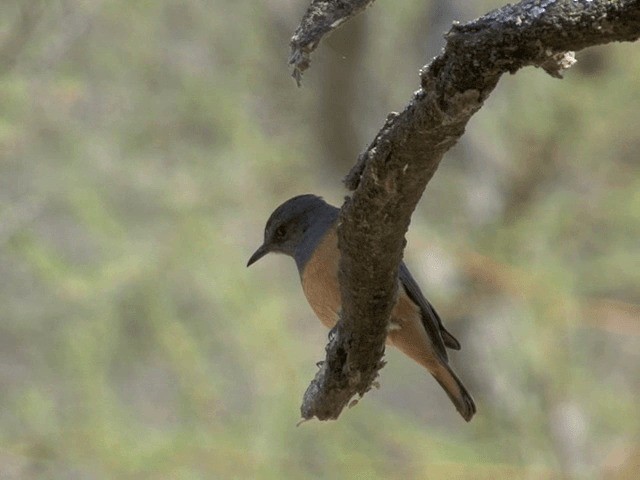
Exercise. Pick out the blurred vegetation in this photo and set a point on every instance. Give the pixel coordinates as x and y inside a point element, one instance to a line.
<point>144,144</point>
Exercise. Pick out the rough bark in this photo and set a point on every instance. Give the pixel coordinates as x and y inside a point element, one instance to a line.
<point>321,18</point>
<point>391,175</point>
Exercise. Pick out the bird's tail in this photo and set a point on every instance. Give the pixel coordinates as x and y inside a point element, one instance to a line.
<point>413,341</point>
<point>454,388</point>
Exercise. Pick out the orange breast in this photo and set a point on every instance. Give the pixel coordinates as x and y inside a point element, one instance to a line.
<point>320,286</point>
<point>320,280</point>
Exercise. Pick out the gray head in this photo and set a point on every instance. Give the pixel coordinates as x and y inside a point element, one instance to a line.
<point>295,227</point>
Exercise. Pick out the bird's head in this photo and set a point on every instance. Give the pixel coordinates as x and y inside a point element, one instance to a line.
<point>287,226</point>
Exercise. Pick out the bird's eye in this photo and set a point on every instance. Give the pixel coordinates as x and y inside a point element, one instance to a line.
<point>280,232</point>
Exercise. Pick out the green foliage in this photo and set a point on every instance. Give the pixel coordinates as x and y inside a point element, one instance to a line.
<point>142,147</point>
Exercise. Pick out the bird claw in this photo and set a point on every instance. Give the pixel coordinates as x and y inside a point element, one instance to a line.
<point>332,333</point>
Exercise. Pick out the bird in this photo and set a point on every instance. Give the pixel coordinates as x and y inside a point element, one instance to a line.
<point>305,228</point>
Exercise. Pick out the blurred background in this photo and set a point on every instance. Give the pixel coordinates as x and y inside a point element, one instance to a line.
<point>143,146</point>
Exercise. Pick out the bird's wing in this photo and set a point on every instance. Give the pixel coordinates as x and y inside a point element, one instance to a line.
<point>430,318</point>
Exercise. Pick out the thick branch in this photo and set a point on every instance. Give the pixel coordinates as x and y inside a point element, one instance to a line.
<point>391,175</point>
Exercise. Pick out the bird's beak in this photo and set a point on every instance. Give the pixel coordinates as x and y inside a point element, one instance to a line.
<point>258,254</point>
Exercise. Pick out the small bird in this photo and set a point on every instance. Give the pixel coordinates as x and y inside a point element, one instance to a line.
<point>305,228</point>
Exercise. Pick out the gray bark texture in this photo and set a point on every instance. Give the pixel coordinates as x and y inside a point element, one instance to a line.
<point>391,175</point>
<point>321,18</point>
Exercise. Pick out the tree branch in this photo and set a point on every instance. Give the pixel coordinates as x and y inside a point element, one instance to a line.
<point>321,18</point>
<point>391,175</point>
